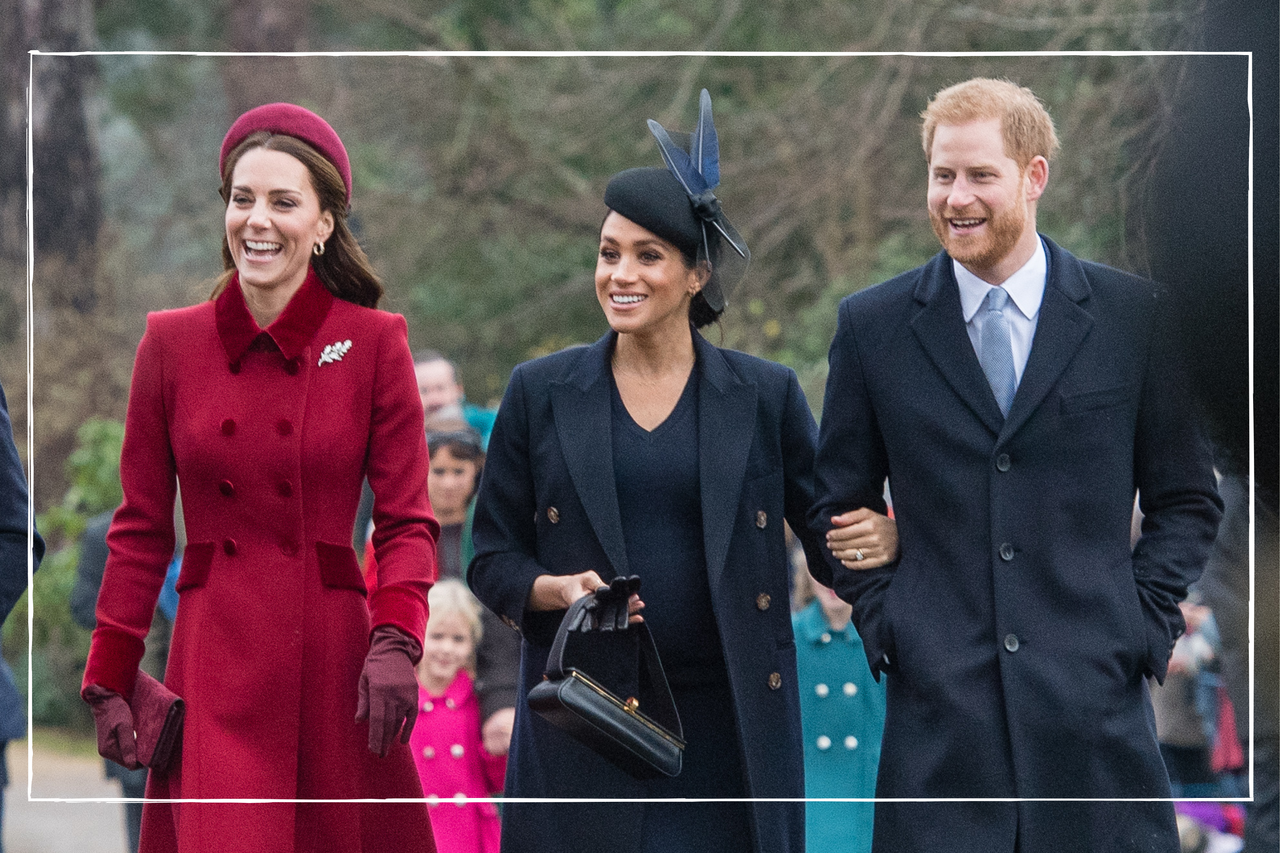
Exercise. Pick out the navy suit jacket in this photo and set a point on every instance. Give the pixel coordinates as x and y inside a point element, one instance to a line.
<point>548,505</point>
<point>1019,623</point>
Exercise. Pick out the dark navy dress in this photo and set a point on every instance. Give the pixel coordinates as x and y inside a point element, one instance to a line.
<point>659,500</point>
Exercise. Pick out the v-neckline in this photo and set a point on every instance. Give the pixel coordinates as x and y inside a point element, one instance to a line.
<point>673,416</point>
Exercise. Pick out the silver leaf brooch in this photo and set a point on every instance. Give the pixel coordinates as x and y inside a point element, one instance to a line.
<point>334,352</point>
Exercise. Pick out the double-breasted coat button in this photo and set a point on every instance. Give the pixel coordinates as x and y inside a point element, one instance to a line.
<point>775,680</point>
<point>228,427</point>
<point>850,742</point>
<point>1011,642</point>
<point>428,705</point>
<point>450,704</point>
<point>456,750</point>
<point>234,366</point>
<point>284,488</point>
<point>1006,552</point>
<point>822,690</point>
<point>289,549</point>
<point>1003,462</point>
<point>825,638</point>
<point>850,689</point>
<point>291,367</point>
<point>284,427</point>
<point>553,515</point>
<point>763,600</point>
<point>429,751</point>
<point>227,488</point>
<point>762,519</point>
<point>229,547</point>
<point>824,742</point>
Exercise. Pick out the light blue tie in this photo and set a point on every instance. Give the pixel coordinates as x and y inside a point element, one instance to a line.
<point>995,353</point>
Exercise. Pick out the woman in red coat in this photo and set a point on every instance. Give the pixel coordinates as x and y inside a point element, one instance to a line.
<point>267,406</point>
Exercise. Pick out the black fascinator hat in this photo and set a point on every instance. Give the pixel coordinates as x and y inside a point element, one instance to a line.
<point>678,204</point>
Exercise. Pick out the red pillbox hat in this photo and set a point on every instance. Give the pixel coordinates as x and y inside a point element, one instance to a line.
<point>290,120</point>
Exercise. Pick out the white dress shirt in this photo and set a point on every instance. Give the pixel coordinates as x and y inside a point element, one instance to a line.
<point>1026,291</point>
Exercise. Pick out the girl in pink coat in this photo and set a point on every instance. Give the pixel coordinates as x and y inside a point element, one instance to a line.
<point>446,742</point>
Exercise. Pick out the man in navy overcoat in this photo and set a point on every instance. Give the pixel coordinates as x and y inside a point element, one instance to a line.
<point>1018,626</point>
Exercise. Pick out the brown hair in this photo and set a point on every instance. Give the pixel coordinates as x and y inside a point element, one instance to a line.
<point>344,267</point>
<point>1024,121</point>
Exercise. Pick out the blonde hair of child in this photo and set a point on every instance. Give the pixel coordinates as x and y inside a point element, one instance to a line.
<point>450,597</point>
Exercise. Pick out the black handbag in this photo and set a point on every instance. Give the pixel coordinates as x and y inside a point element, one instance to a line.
<point>646,743</point>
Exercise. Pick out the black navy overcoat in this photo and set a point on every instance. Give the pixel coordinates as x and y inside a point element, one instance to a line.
<point>1019,624</point>
<point>548,504</point>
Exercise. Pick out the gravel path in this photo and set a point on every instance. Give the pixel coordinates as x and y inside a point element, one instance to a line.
<point>60,827</point>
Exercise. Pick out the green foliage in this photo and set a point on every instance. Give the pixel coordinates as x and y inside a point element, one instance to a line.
<point>59,646</point>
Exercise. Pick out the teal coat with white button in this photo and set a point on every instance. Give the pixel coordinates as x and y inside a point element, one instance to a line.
<point>842,712</point>
<point>548,505</point>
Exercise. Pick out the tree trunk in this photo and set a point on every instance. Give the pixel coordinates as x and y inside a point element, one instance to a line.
<point>66,207</point>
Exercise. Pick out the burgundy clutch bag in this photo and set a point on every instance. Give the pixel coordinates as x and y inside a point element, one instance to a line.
<point>157,722</point>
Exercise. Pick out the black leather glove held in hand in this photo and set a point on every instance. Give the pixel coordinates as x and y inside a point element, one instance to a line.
<point>114,722</point>
<point>609,609</point>
<point>388,696</point>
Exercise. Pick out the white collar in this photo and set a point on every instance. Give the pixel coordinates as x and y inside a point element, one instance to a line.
<point>1025,287</point>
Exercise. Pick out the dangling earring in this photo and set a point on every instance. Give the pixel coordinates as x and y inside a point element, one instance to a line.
<point>317,249</point>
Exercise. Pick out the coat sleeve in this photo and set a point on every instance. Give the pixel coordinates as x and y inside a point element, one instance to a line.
<point>850,473</point>
<point>13,519</point>
<point>503,532</point>
<point>141,537</point>
<point>799,445</point>
<point>1177,495</point>
<point>404,529</point>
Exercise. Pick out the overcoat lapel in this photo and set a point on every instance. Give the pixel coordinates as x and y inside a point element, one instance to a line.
<point>939,327</point>
<point>1062,327</point>
<point>726,429</point>
<point>581,406</point>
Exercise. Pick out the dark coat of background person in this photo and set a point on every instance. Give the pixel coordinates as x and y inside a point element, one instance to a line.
<point>13,519</point>
<point>83,601</point>
<point>1194,218</point>
<point>756,440</point>
<point>13,578</point>
<point>1018,623</point>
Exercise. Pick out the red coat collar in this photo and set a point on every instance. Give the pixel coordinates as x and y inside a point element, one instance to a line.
<point>291,331</point>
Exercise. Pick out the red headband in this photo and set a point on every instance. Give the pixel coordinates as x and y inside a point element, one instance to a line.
<point>290,120</point>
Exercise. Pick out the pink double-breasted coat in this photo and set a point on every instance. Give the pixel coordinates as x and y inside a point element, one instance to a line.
<point>269,434</point>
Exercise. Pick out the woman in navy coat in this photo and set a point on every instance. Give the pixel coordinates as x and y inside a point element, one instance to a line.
<point>654,453</point>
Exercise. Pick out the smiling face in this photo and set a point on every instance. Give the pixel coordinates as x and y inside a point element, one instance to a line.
<point>981,204</point>
<point>447,647</point>
<point>273,223</point>
<point>642,281</point>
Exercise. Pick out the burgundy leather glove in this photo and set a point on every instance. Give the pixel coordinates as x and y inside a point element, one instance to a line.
<point>114,722</point>
<point>388,687</point>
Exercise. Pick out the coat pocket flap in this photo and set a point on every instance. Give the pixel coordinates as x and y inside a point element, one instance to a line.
<point>339,568</point>
<point>197,558</point>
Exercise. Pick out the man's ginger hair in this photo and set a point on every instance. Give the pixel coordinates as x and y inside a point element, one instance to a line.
<point>1024,122</point>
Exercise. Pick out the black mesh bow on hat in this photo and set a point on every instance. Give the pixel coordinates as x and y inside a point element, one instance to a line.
<point>694,160</point>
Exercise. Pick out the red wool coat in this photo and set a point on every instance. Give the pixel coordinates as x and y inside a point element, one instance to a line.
<point>269,435</point>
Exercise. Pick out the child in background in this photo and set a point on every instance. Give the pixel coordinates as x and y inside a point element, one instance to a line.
<point>842,716</point>
<point>446,741</point>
